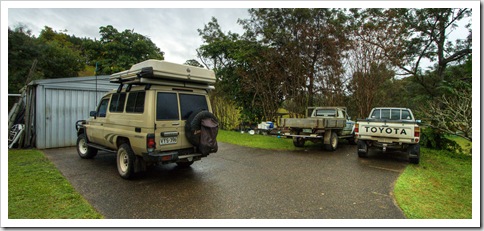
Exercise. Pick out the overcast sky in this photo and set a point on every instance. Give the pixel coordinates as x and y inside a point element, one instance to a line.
<point>170,25</point>
<point>174,31</point>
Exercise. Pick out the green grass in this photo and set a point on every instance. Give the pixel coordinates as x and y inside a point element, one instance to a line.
<point>439,187</point>
<point>466,145</point>
<point>260,141</point>
<point>37,190</point>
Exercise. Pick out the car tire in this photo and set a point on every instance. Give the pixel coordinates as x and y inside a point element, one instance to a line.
<point>298,142</point>
<point>84,151</point>
<point>414,153</point>
<point>125,159</point>
<point>194,123</point>
<point>362,148</point>
<point>333,142</point>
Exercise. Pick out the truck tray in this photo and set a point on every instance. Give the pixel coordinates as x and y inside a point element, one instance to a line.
<point>163,73</point>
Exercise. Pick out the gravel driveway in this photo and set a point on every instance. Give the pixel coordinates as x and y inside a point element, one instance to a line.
<point>242,183</point>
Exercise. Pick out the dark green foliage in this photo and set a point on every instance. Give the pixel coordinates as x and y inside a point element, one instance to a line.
<point>59,55</point>
<point>431,138</point>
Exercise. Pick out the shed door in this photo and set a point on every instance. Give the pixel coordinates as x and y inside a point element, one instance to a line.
<point>58,113</point>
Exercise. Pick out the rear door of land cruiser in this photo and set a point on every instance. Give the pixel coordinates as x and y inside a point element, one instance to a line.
<point>169,129</point>
<point>172,110</point>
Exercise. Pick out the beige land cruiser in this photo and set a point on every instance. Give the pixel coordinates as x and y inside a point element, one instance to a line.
<point>160,113</point>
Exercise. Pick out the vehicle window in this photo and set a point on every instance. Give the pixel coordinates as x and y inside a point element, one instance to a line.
<point>395,114</point>
<point>117,102</point>
<point>166,106</point>
<point>406,115</point>
<point>326,112</point>
<point>103,106</point>
<point>136,102</point>
<point>375,114</point>
<point>190,103</point>
<point>385,114</point>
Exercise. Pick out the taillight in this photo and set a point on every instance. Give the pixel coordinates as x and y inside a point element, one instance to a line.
<point>357,128</point>
<point>416,134</point>
<point>150,142</point>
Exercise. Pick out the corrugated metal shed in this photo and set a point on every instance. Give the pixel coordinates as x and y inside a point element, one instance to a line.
<point>59,103</point>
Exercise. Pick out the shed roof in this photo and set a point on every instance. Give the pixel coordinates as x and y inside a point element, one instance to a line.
<point>80,83</point>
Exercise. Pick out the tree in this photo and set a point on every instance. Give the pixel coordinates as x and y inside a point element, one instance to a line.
<point>120,50</point>
<point>23,50</point>
<point>411,35</point>
<point>193,62</point>
<point>310,41</point>
<point>59,57</point>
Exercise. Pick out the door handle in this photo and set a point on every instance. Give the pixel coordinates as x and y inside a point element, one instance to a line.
<point>176,123</point>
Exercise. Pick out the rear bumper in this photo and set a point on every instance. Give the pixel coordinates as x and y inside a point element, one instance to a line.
<point>172,156</point>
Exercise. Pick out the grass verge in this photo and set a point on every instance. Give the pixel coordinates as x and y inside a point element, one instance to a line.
<point>439,187</point>
<point>37,190</point>
<point>261,141</point>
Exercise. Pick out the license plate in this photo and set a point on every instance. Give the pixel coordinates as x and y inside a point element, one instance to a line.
<point>307,130</point>
<point>168,140</point>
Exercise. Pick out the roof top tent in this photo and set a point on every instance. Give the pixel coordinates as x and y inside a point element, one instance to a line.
<point>159,72</point>
<point>55,106</point>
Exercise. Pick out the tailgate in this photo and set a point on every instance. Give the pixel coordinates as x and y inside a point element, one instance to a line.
<point>387,129</point>
<point>302,123</point>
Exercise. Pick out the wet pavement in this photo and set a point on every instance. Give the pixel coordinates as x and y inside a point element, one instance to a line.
<point>242,183</point>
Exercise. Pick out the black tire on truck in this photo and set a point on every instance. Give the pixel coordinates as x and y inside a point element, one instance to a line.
<point>362,148</point>
<point>333,142</point>
<point>194,123</point>
<point>125,159</point>
<point>414,153</point>
<point>298,142</point>
<point>84,151</point>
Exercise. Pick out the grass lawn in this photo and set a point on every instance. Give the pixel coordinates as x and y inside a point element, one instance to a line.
<point>439,187</point>
<point>37,190</point>
<point>261,141</point>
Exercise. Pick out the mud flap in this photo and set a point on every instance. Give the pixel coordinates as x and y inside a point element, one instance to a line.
<point>139,165</point>
<point>327,136</point>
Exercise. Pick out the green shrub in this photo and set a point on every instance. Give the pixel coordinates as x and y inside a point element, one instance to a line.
<point>431,138</point>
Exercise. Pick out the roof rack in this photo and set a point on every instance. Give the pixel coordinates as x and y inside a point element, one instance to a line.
<point>158,72</point>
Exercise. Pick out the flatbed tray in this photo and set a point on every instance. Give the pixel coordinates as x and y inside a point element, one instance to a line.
<point>163,73</point>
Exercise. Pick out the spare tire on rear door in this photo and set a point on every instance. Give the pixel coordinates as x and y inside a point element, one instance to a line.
<point>201,130</point>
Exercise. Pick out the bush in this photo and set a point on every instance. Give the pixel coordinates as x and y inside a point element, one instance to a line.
<point>431,138</point>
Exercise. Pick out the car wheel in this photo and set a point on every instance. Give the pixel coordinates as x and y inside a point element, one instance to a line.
<point>333,142</point>
<point>194,123</point>
<point>298,142</point>
<point>125,159</point>
<point>362,148</point>
<point>84,151</point>
<point>414,153</point>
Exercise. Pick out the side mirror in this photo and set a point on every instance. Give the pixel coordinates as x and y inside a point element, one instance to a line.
<point>418,121</point>
<point>92,113</point>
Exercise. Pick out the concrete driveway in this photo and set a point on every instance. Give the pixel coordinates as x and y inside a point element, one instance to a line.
<point>241,183</point>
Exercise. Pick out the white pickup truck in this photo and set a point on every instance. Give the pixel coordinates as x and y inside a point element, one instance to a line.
<point>389,128</point>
